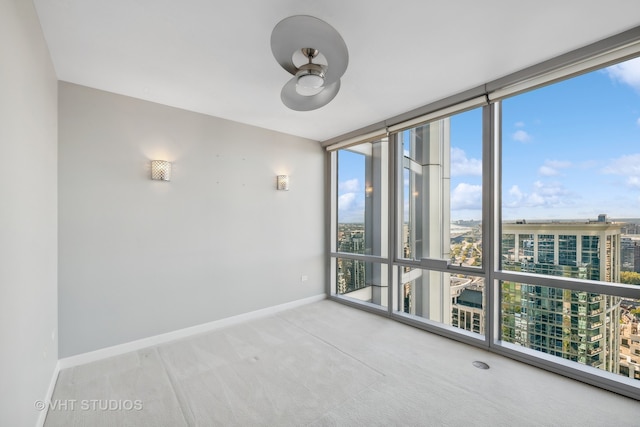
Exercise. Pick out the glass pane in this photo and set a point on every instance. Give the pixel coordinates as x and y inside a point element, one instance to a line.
<point>442,190</point>
<point>363,281</point>
<point>593,329</point>
<point>452,299</point>
<point>362,199</point>
<point>570,176</point>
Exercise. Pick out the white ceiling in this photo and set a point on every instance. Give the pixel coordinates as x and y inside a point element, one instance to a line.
<point>214,56</point>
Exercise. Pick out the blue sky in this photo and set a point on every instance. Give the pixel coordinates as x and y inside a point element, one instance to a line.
<point>570,150</point>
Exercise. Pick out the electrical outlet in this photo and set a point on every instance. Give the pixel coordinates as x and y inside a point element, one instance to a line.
<point>304,278</point>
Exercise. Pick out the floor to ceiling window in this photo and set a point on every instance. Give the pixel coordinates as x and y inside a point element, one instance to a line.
<point>571,195</point>
<point>510,221</point>
<point>361,236</point>
<point>440,213</point>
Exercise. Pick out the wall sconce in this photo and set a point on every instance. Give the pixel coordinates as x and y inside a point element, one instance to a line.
<point>283,182</point>
<point>161,170</point>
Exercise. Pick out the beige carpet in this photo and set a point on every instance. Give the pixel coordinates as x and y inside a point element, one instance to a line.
<point>326,364</point>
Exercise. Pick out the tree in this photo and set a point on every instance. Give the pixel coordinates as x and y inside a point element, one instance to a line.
<point>630,277</point>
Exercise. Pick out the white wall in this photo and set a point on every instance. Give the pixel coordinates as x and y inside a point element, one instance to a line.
<point>28,214</point>
<point>141,257</point>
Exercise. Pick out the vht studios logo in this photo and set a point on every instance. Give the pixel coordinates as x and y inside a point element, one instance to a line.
<point>89,405</point>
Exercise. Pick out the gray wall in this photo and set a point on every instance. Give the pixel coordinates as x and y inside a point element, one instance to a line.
<point>141,257</point>
<point>28,214</point>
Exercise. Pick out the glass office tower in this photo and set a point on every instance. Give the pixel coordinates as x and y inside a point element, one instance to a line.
<point>579,326</point>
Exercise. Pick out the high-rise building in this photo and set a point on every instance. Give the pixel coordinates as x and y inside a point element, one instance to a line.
<point>579,326</point>
<point>629,346</point>
<point>630,251</point>
<point>351,273</point>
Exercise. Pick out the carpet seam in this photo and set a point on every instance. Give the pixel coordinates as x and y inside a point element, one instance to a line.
<point>335,347</point>
<point>180,399</point>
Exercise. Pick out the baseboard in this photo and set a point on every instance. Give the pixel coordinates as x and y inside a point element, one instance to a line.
<point>49,396</point>
<point>119,349</point>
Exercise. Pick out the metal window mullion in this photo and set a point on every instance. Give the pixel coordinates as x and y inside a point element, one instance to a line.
<point>398,173</point>
<point>358,257</point>
<point>392,165</point>
<point>491,221</point>
<point>593,286</point>
<point>331,203</point>
<point>371,213</point>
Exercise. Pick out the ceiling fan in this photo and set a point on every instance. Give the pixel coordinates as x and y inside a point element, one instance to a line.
<point>315,53</point>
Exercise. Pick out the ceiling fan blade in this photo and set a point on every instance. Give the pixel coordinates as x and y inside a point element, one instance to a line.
<point>297,102</point>
<point>302,31</point>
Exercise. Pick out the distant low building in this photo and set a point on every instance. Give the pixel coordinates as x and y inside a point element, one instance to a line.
<point>467,310</point>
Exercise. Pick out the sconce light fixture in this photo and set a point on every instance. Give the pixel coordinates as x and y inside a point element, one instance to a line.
<point>283,182</point>
<point>161,170</point>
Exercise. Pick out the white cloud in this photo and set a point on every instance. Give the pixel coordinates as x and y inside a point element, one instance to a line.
<point>534,200</point>
<point>542,195</point>
<point>638,121</point>
<point>558,164</point>
<point>515,192</point>
<point>547,171</point>
<point>349,186</point>
<point>466,196</point>
<point>633,181</point>
<point>519,124</point>
<point>627,165</point>
<point>461,165</point>
<point>345,201</point>
<point>551,167</point>
<point>627,72</point>
<point>521,136</point>
<point>547,194</point>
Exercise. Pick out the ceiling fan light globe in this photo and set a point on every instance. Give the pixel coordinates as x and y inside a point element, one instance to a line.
<point>308,91</point>
<point>310,81</point>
